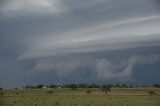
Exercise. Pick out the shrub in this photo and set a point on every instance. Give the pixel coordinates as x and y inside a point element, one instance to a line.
<point>15,102</point>
<point>50,92</point>
<point>106,92</point>
<point>17,93</point>
<point>88,91</point>
<point>151,93</point>
<point>106,88</point>
<point>57,103</point>
<point>1,93</point>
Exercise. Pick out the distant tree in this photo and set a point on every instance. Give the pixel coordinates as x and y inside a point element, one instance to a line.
<point>52,86</point>
<point>40,86</point>
<point>73,86</point>
<point>82,85</point>
<point>130,86</point>
<point>28,87</point>
<point>1,89</point>
<point>117,85</point>
<point>151,93</point>
<point>124,86</point>
<point>145,86</point>
<point>156,85</point>
<point>93,86</point>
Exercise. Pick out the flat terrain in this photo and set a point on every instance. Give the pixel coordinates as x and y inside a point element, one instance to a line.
<point>79,97</point>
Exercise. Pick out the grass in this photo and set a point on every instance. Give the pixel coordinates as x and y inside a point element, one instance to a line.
<point>67,97</point>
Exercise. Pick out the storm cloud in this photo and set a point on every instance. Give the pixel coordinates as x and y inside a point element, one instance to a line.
<point>104,68</point>
<point>105,40</point>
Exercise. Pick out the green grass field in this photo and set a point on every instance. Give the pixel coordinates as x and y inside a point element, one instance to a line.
<point>79,97</point>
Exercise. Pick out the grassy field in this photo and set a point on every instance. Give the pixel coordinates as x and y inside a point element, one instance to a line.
<point>79,97</point>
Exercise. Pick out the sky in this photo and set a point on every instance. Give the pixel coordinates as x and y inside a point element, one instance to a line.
<point>79,41</point>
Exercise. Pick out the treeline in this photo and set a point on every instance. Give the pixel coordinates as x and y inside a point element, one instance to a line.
<point>75,86</point>
<point>156,85</point>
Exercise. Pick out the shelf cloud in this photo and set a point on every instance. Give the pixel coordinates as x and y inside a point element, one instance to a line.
<point>119,35</point>
<point>104,68</point>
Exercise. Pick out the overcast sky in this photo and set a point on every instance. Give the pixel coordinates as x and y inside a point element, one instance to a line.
<point>79,41</point>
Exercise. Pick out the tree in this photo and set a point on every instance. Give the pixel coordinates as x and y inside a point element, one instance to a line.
<point>117,85</point>
<point>145,85</point>
<point>52,86</point>
<point>130,86</point>
<point>73,86</point>
<point>151,93</point>
<point>124,86</point>
<point>40,86</point>
<point>93,86</point>
<point>29,87</point>
<point>82,86</point>
<point>156,85</point>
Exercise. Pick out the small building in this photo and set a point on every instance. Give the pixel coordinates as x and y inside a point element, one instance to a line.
<point>59,87</point>
<point>44,87</point>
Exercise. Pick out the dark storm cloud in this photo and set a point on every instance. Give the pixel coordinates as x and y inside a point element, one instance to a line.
<point>68,37</point>
<point>157,4</point>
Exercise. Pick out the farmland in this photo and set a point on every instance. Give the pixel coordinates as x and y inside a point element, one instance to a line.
<point>79,97</point>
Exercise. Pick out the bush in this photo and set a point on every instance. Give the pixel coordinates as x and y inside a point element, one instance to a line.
<point>151,93</point>
<point>50,92</point>
<point>106,92</point>
<point>1,93</point>
<point>57,103</point>
<point>17,93</point>
<point>105,88</point>
<point>88,91</point>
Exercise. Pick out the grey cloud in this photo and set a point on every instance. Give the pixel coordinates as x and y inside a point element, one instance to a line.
<point>88,46</point>
<point>18,7</point>
<point>35,32</point>
<point>111,71</point>
<point>89,40</point>
<point>105,69</point>
<point>123,70</point>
